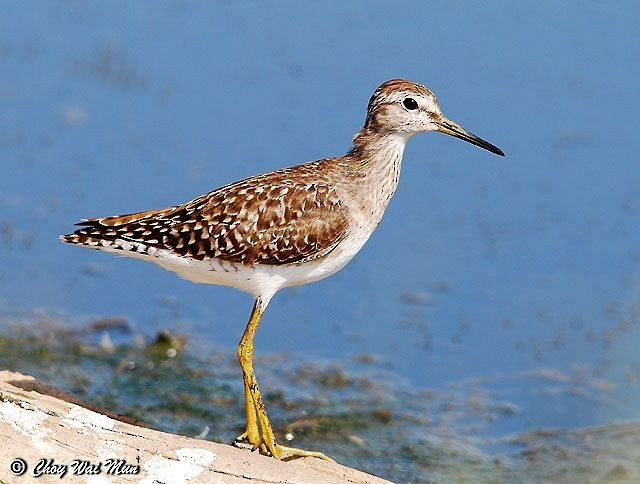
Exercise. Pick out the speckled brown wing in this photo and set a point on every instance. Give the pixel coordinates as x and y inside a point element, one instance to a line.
<point>277,218</point>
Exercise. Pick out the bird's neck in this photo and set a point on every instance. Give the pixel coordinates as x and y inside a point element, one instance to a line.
<point>375,162</point>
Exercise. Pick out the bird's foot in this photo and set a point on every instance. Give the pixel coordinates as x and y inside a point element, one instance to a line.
<point>253,439</point>
<point>283,452</point>
<point>279,452</point>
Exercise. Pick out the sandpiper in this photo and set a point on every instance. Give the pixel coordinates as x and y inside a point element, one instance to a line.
<point>285,228</point>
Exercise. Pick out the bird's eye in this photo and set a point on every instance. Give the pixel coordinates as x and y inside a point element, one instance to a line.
<point>410,103</point>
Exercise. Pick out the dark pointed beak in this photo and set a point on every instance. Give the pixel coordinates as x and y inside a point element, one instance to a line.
<point>449,127</point>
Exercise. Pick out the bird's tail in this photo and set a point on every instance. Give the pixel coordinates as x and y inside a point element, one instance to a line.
<point>110,232</point>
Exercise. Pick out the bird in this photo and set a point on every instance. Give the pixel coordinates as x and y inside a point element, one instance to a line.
<point>288,227</point>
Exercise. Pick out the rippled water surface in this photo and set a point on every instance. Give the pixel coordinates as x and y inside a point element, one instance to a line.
<point>499,297</point>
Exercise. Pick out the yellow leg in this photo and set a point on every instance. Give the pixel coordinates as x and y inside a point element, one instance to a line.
<point>252,432</point>
<point>245,356</point>
<point>259,432</point>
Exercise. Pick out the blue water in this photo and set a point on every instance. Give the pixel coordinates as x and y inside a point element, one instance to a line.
<point>483,266</point>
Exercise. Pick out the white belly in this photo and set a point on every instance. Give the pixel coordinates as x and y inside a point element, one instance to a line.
<point>260,280</point>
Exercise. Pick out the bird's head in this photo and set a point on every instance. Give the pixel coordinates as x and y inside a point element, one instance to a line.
<point>406,108</point>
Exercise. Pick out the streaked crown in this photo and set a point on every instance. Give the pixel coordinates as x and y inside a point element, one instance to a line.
<point>402,106</point>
